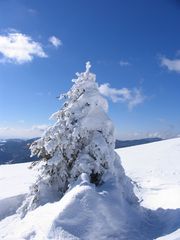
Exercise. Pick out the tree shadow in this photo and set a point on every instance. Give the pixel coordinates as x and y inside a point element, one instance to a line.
<point>160,222</point>
<point>8,206</point>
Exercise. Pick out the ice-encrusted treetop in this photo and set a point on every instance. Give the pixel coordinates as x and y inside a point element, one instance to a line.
<point>87,75</point>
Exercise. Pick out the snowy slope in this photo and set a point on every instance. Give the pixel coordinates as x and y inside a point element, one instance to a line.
<point>156,169</point>
<point>87,212</point>
<point>15,179</point>
<point>83,213</point>
<point>14,184</point>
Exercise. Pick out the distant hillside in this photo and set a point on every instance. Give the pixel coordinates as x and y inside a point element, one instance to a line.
<point>128,143</point>
<point>15,151</point>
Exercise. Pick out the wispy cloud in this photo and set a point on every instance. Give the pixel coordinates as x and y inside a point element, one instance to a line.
<point>40,127</point>
<point>171,64</point>
<point>19,48</point>
<point>32,11</point>
<point>21,121</point>
<point>124,63</point>
<point>132,97</point>
<point>56,42</point>
<point>34,131</point>
<point>132,135</point>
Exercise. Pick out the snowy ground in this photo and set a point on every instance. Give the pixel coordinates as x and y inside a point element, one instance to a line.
<point>89,213</point>
<point>15,179</point>
<point>155,167</point>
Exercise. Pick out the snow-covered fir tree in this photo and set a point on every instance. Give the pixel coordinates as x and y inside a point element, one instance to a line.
<point>81,141</point>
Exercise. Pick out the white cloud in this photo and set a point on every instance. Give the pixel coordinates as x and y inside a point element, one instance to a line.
<point>132,135</point>
<point>171,64</point>
<point>41,127</point>
<point>56,42</point>
<point>131,97</point>
<point>123,63</point>
<point>19,48</point>
<point>34,131</point>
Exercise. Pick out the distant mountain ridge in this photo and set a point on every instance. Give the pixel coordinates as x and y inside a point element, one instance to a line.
<point>129,143</point>
<point>17,150</point>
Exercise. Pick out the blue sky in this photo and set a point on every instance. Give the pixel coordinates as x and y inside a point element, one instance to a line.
<point>133,46</point>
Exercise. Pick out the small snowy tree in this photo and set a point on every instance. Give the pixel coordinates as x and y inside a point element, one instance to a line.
<point>81,141</point>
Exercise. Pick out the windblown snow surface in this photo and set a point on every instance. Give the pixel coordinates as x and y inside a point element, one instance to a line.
<point>87,212</point>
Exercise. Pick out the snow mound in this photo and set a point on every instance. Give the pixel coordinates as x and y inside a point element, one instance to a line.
<point>87,212</point>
